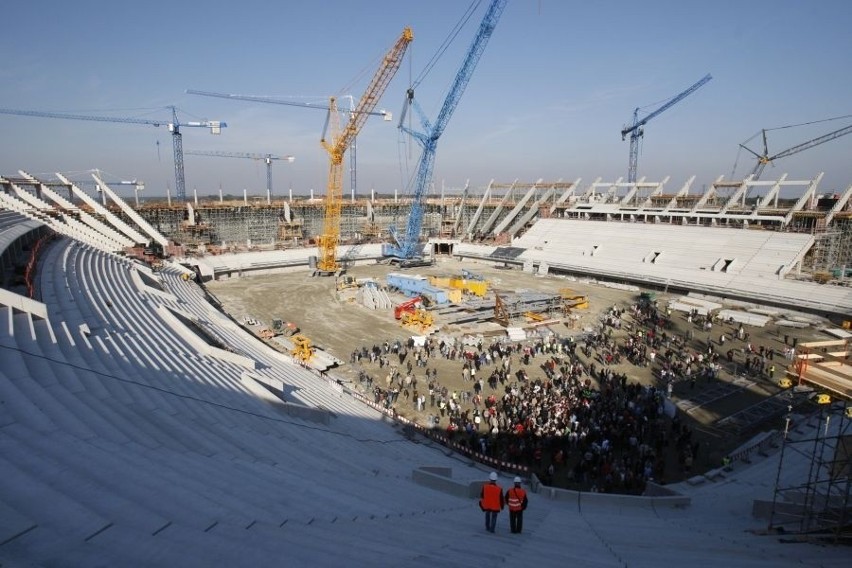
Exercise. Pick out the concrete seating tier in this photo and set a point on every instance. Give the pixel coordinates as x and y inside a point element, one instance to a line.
<point>672,246</point>
<point>735,263</point>
<point>121,444</point>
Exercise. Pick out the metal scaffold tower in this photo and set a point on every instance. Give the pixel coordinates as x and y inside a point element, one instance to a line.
<point>831,254</point>
<point>815,502</point>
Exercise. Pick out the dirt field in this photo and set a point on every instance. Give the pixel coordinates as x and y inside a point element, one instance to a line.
<point>339,326</point>
<point>336,323</point>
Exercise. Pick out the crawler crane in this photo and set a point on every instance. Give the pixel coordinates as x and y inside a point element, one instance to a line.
<point>337,143</point>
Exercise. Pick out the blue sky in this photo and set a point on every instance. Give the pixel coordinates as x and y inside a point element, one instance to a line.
<point>552,91</point>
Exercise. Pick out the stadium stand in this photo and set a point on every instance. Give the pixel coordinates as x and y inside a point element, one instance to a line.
<point>124,444</point>
<point>734,263</point>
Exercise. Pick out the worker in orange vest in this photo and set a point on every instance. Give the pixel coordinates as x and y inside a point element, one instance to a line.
<point>491,501</point>
<point>516,498</point>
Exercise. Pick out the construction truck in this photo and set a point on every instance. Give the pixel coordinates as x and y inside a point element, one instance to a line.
<point>278,327</point>
<point>285,328</point>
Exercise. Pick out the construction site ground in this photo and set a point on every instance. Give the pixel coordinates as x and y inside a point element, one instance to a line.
<point>335,322</point>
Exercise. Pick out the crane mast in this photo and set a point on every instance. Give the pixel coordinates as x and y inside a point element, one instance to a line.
<point>268,159</point>
<point>405,252</point>
<point>637,130</point>
<point>174,125</point>
<point>339,140</point>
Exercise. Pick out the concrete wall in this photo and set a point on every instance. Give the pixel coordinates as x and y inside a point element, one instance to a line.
<point>440,481</point>
<point>655,496</point>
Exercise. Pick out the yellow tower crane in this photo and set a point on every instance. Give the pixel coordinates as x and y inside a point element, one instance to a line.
<point>339,141</point>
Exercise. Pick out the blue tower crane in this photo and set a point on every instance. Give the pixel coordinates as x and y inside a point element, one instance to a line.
<point>267,159</point>
<point>174,125</point>
<point>406,252</point>
<point>637,129</point>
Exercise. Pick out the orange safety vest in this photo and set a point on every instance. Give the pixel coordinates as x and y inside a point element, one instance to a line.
<point>492,497</point>
<point>516,496</point>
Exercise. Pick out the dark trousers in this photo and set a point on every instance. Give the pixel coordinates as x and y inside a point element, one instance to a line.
<point>490,520</point>
<point>516,521</point>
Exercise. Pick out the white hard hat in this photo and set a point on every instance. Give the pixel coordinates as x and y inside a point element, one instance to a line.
<point>493,476</point>
<point>517,479</point>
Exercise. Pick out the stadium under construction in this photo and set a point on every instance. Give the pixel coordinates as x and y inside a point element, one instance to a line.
<point>500,212</point>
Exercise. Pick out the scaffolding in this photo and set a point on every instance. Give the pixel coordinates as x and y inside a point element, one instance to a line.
<point>815,502</point>
<point>830,258</point>
<point>253,222</point>
<point>510,307</point>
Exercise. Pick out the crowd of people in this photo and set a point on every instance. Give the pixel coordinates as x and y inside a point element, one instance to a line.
<point>563,406</point>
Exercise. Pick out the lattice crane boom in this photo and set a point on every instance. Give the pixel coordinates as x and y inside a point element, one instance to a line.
<point>268,159</point>
<point>765,158</point>
<point>339,140</point>
<point>637,131</point>
<point>406,247</point>
<point>273,100</point>
<point>173,124</point>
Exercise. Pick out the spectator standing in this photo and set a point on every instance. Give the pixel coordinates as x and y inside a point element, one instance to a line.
<point>491,501</point>
<point>516,499</point>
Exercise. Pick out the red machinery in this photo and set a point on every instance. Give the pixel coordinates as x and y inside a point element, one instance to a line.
<point>409,306</point>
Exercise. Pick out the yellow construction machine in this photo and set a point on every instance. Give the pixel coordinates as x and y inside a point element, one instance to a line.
<point>302,348</point>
